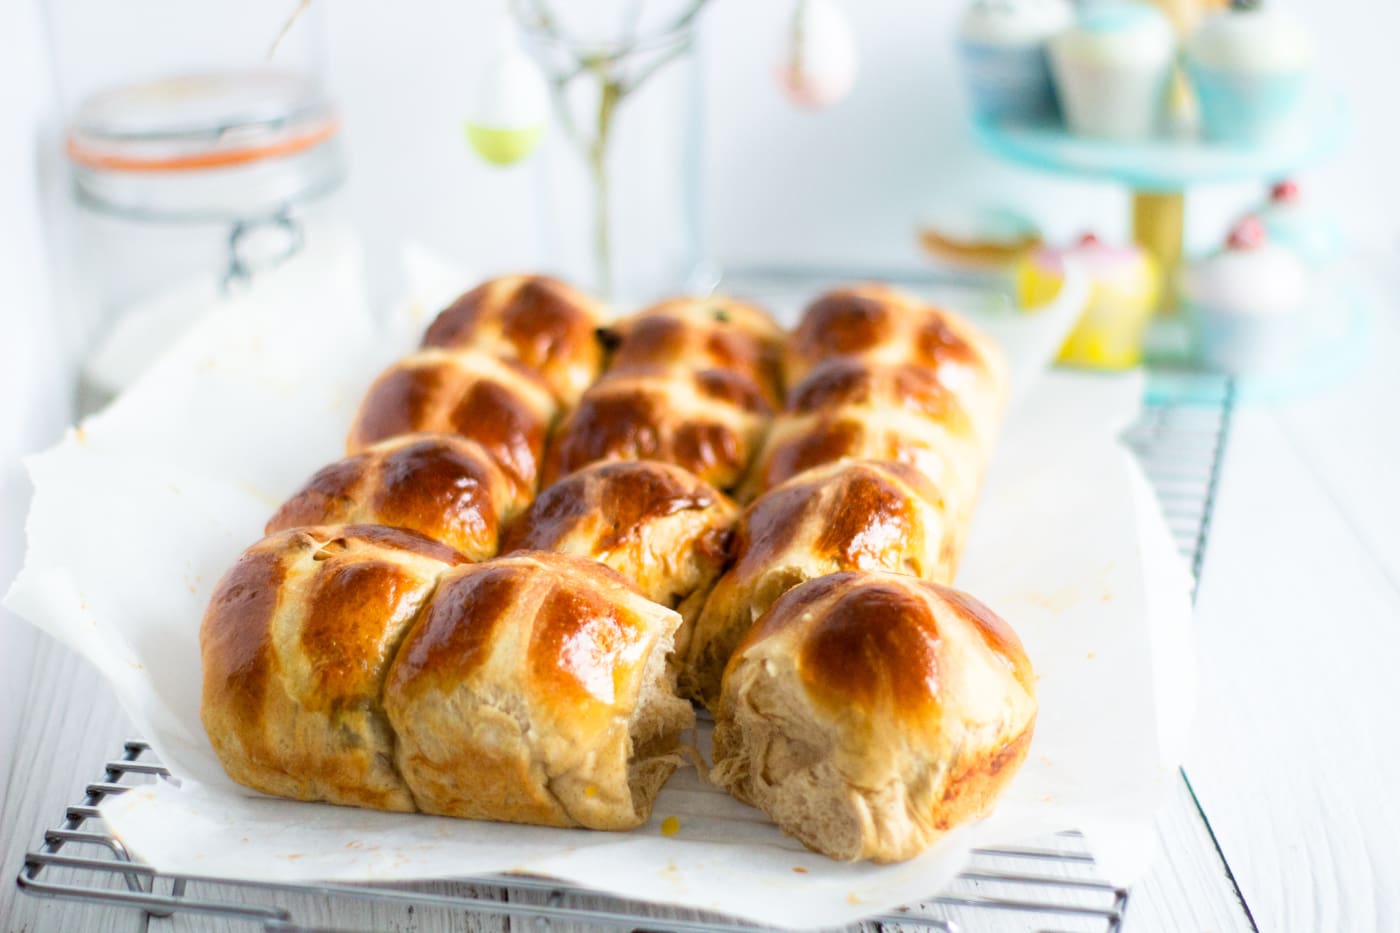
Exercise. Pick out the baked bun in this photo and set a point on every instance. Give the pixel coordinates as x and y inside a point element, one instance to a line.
<point>869,713</point>
<point>498,403</point>
<point>296,642</point>
<point>654,523</point>
<point>442,486</point>
<point>948,452</point>
<point>535,689</point>
<point>690,334</point>
<point>548,326</point>
<point>709,422</point>
<point>850,515</point>
<point>879,325</point>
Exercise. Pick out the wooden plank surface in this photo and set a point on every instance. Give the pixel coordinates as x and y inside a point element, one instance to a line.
<point>65,727</point>
<point>1294,757</point>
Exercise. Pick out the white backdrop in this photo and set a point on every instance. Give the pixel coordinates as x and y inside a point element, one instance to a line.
<point>848,184</point>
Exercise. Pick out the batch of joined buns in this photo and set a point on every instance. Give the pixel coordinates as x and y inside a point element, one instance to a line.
<point>554,531</point>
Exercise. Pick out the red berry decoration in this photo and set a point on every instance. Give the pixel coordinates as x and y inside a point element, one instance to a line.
<point>1284,192</point>
<point>1248,234</point>
<point>1088,239</point>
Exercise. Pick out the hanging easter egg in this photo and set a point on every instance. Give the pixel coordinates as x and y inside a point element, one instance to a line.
<point>511,107</point>
<point>819,64</point>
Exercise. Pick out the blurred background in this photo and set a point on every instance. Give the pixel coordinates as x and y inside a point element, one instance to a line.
<point>848,184</point>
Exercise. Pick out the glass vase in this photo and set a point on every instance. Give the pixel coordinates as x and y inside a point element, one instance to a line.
<point>621,177</point>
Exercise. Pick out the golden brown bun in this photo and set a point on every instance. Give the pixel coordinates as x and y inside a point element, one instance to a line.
<point>656,524</point>
<point>710,423</point>
<point>535,690</point>
<point>441,486</point>
<point>842,516</point>
<point>869,713</point>
<point>296,642</point>
<point>545,324</point>
<point>947,452</point>
<point>692,334</point>
<point>497,403</point>
<point>879,325</point>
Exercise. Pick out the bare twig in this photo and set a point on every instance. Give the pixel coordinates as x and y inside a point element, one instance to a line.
<point>680,26</point>
<point>301,8</point>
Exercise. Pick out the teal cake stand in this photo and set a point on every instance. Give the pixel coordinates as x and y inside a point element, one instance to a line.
<point>1158,172</point>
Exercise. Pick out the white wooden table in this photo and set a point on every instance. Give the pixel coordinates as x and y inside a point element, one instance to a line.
<point>1294,764</point>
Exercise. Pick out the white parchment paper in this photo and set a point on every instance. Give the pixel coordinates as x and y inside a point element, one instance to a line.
<point>137,513</point>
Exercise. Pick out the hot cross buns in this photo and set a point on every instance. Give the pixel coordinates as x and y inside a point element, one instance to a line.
<point>709,422</point>
<point>500,404</point>
<point>548,326</point>
<point>535,689</point>
<point>658,525</point>
<point>867,713</point>
<point>296,643</point>
<point>442,486</point>
<point>848,515</point>
<point>880,325</point>
<point>698,334</point>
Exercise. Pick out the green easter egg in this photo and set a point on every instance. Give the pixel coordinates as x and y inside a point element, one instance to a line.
<point>503,146</point>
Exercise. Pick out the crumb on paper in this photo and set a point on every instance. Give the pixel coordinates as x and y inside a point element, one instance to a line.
<point>1107,598</point>
<point>799,869</point>
<point>670,826</point>
<point>853,900</point>
<point>293,856</point>
<point>1058,600</point>
<point>256,493</point>
<point>244,839</point>
<point>1089,656</point>
<point>80,434</point>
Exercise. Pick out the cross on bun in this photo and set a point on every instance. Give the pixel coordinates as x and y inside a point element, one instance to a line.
<point>535,689</point>
<point>296,642</point>
<point>441,486</point>
<point>658,525</point>
<point>709,422</point>
<point>868,713</point>
<point>498,403</point>
<point>548,326</point>
<point>849,515</point>
<point>696,334</point>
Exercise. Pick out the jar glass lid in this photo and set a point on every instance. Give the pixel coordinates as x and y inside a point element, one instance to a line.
<point>200,121</point>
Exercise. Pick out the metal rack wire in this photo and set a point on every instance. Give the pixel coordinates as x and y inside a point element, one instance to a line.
<point>1179,440</point>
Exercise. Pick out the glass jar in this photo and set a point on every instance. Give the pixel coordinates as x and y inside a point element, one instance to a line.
<point>622,176</point>
<point>187,187</point>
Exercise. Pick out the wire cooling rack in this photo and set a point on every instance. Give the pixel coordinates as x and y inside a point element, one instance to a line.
<point>1052,885</point>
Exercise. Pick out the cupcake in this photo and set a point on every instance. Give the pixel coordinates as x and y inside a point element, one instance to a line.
<point>1250,68</point>
<point>984,241</point>
<point>1247,302</point>
<point>1112,70</point>
<point>1002,47</point>
<point>1125,291</point>
<point>1292,220</point>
